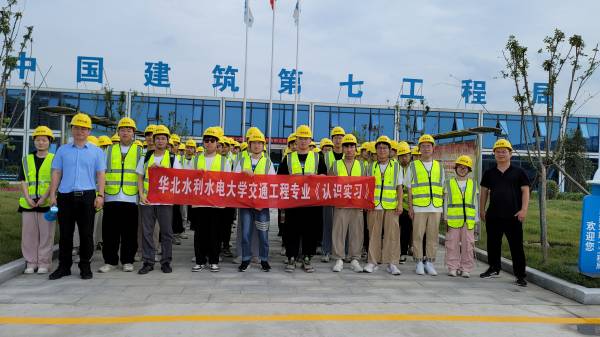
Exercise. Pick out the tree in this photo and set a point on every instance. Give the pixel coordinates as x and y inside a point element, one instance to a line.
<point>12,46</point>
<point>576,164</point>
<point>559,54</point>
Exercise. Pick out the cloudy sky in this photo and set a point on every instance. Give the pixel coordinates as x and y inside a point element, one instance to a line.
<point>379,41</point>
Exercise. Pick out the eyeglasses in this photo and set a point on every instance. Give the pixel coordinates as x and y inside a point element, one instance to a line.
<point>209,140</point>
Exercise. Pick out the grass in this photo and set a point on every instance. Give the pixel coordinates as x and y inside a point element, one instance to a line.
<point>10,227</point>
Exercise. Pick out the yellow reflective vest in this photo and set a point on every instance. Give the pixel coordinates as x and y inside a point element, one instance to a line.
<point>218,163</point>
<point>120,172</point>
<point>426,185</point>
<point>262,166</point>
<point>386,193</point>
<point>461,206</point>
<point>165,162</point>
<point>38,182</point>
<point>339,169</point>
<point>311,165</point>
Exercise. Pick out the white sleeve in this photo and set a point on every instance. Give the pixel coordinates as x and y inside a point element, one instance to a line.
<point>400,175</point>
<point>408,178</point>
<point>140,167</point>
<point>238,167</point>
<point>177,164</point>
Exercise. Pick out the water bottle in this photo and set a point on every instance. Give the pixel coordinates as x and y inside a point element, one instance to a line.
<point>51,215</point>
<point>589,242</point>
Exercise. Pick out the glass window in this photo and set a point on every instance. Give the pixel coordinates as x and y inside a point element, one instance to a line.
<point>42,99</point>
<point>233,118</point>
<point>14,109</point>
<point>321,123</point>
<point>458,124</point>
<point>256,115</point>
<point>11,155</point>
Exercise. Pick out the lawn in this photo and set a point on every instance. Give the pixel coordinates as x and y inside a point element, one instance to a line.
<point>10,227</point>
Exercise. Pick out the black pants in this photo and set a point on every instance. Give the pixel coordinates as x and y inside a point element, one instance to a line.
<point>119,228</point>
<point>207,234</point>
<point>177,220</point>
<point>405,233</point>
<point>227,221</point>
<point>76,208</point>
<point>366,232</point>
<point>513,229</point>
<point>302,224</point>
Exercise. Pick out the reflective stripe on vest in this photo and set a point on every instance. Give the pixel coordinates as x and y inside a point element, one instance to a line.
<point>36,186</point>
<point>427,186</point>
<point>461,208</point>
<point>386,193</point>
<point>340,169</point>
<point>404,189</point>
<point>262,166</point>
<point>120,173</point>
<point>165,162</point>
<point>311,164</point>
<point>218,163</point>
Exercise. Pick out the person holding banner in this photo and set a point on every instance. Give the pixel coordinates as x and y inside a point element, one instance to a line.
<point>207,221</point>
<point>347,222</point>
<point>258,219</point>
<point>388,206</point>
<point>302,222</point>
<point>152,213</point>
<point>460,217</point>
<point>426,200</point>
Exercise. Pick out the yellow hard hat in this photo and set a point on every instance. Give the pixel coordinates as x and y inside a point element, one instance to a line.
<point>82,120</point>
<point>415,151</point>
<point>464,160</point>
<point>316,149</point>
<point>256,137</point>
<point>312,144</point>
<point>426,139</point>
<point>337,131</point>
<point>291,137</point>
<point>162,130</point>
<point>104,141</point>
<point>236,143</point>
<point>127,122</point>
<point>502,143</point>
<point>211,132</point>
<point>115,138</point>
<point>220,130</point>
<point>383,139</point>
<point>138,143</point>
<point>92,139</point>
<point>144,144</point>
<point>372,147</point>
<point>303,131</point>
<point>199,149</point>
<point>222,140</point>
<point>181,147</point>
<point>175,138</point>
<point>243,146</point>
<point>150,129</point>
<point>191,143</point>
<point>394,145</point>
<point>349,139</point>
<point>171,142</point>
<point>325,142</point>
<point>43,131</point>
<point>252,130</point>
<point>403,148</point>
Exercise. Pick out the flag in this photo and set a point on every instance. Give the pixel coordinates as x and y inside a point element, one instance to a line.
<point>248,17</point>
<point>272,2</point>
<point>297,12</point>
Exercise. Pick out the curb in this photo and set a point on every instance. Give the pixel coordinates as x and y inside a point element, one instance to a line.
<point>564,288</point>
<point>16,267</point>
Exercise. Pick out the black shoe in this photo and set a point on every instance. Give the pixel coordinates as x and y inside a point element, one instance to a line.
<point>146,268</point>
<point>85,272</point>
<point>166,268</point>
<point>265,266</point>
<point>489,273</point>
<point>521,282</point>
<point>58,273</point>
<point>244,266</point>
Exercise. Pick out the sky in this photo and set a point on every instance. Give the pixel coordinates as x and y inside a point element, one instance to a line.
<point>379,41</point>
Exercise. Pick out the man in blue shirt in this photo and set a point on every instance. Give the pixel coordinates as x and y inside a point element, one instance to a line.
<point>77,173</point>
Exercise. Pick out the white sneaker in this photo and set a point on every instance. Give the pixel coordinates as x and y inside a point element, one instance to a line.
<point>419,270</point>
<point>466,274</point>
<point>29,270</point>
<point>128,267</point>
<point>106,268</point>
<point>42,270</point>
<point>429,269</point>
<point>393,269</point>
<point>356,267</point>
<point>198,267</point>
<point>214,268</point>
<point>369,268</point>
<point>339,265</point>
<point>452,273</point>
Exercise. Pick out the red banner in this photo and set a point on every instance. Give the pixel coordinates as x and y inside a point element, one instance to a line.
<point>239,190</point>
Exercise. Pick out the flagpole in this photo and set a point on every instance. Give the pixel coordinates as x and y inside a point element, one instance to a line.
<point>245,75</point>
<point>295,116</point>
<point>271,79</point>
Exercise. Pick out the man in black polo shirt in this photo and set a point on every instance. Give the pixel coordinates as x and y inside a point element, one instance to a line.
<point>508,189</point>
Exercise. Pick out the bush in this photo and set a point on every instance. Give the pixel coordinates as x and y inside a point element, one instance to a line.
<point>551,189</point>
<point>573,196</point>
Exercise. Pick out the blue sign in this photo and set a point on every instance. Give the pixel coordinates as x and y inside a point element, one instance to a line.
<point>225,78</point>
<point>473,92</point>
<point>25,63</point>
<point>90,69</point>
<point>540,93</point>
<point>411,94</point>
<point>589,242</point>
<point>350,84</point>
<point>288,81</point>
<point>157,74</point>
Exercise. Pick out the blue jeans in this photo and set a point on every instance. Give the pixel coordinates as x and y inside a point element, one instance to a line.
<point>250,218</point>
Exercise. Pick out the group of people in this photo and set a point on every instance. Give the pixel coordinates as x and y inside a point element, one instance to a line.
<point>412,198</point>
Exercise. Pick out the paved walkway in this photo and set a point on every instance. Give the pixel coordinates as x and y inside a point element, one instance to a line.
<point>255,303</point>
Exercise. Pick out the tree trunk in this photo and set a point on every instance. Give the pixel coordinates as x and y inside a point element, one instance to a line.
<point>543,222</point>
